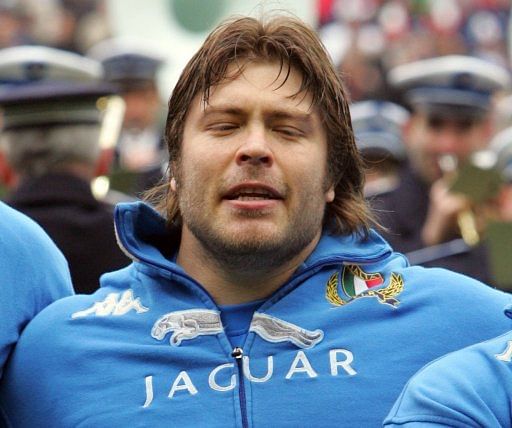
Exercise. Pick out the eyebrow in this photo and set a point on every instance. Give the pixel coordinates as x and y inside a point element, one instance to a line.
<point>290,113</point>
<point>210,110</point>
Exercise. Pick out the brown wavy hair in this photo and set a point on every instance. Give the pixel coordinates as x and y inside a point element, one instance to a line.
<point>291,43</point>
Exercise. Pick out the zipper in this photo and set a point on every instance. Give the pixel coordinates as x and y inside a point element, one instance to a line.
<point>238,355</point>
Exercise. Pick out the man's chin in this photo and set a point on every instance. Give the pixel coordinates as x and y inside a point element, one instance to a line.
<point>252,241</point>
<point>258,245</point>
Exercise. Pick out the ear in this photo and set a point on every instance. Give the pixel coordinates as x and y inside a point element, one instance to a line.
<point>104,162</point>
<point>330,194</point>
<point>173,184</point>
<point>171,171</point>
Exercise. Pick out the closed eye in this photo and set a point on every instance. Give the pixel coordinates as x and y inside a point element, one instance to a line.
<point>222,127</point>
<point>289,132</point>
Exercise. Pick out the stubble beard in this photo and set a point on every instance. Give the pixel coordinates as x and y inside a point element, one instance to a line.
<point>260,251</point>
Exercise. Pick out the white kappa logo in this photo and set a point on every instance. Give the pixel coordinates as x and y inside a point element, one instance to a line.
<point>114,304</point>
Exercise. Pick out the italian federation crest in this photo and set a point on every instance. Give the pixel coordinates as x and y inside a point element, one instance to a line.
<point>355,283</point>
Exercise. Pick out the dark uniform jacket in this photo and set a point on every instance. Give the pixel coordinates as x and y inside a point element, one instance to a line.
<point>81,226</point>
<point>403,212</point>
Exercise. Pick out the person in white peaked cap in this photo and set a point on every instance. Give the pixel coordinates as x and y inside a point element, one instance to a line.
<point>451,102</point>
<point>51,152</point>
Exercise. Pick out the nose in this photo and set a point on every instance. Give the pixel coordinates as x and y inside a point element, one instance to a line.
<point>255,150</point>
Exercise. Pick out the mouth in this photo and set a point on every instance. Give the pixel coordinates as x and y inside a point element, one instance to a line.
<point>252,192</point>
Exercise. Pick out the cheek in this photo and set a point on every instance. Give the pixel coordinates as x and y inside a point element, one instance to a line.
<point>413,143</point>
<point>310,177</point>
<point>200,173</point>
<point>425,141</point>
<point>193,173</point>
<point>480,140</point>
<point>194,159</point>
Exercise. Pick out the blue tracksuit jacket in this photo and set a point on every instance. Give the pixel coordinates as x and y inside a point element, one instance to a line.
<point>333,346</point>
<point>471,387</point>
<point>33,274</point>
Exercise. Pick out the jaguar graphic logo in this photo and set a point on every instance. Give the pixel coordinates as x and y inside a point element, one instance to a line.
<point>276,330</point>
<point>186,325</point>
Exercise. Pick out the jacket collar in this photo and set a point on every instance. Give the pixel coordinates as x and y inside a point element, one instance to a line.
<point>144,235</point>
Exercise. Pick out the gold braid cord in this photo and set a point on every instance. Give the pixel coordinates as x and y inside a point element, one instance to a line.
<point>385,295</point>
<point>395,287</point>
<point>331,292</point>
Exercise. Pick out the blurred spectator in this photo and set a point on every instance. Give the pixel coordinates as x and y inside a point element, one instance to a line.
<point>498,211</point>
<point>51,152</point>
<point>133,66</point>
<point>378,131</point>
<point>384,34</point>
<point>451,101</point>
<point>82,23</point>
<point>500,208</point>
<point>13,24</point>
<point>71,25</point>
<point>503,112</point>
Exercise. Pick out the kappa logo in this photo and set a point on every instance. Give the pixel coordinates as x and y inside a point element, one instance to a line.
<point>274,329</point>
<point>506,355</point>
<point>115,304</point>
<point>187,324</point>
<point>355,283</point>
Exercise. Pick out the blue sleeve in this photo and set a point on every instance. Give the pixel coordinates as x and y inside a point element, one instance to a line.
<point>467,388</point>
<point>33,273</point>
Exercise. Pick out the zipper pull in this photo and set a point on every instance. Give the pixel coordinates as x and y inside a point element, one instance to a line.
<point>237,353</point>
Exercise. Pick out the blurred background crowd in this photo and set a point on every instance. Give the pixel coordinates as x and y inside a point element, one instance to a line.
<point>367,38</point>
<point>456,213</point>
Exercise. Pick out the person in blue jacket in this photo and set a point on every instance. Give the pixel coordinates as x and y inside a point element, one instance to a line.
<point>33,274</point>
<point>258,295</point>
<point>471,387</point>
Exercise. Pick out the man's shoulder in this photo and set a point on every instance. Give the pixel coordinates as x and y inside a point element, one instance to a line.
<point>60,321</point>
<point>56,315</point>
<point>449,281</point>
<point>59,313</point>
<point>493,352</point>
<point>454,296</point>
<point>17,227</point>
<point>29,257</point>
<point>470,386</point>
<point>496,351</point>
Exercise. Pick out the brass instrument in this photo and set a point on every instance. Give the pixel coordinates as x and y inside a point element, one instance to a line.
<point>466,220</point>
<point>112,108</point>
<point>467,226</point>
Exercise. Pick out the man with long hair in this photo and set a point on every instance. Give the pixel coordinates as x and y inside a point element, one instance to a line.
<point>259,294</point>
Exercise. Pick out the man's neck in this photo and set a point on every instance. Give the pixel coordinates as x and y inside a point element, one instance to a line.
<point>230,286</point>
